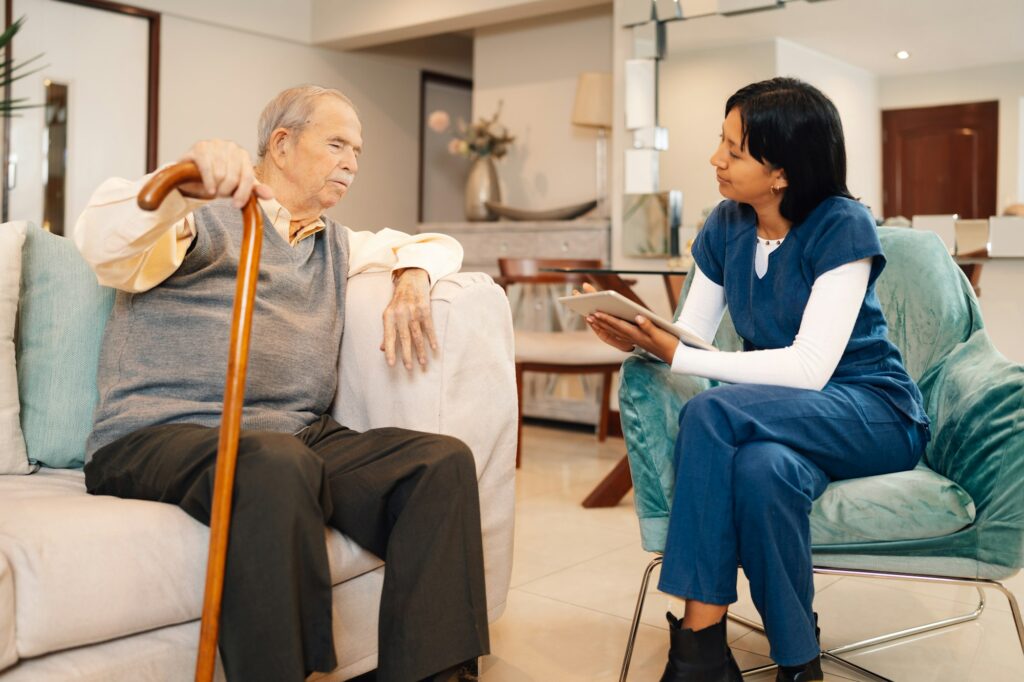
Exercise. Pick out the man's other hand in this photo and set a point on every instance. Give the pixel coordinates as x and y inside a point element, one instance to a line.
<point>408,320</point>
<point>227,172</point>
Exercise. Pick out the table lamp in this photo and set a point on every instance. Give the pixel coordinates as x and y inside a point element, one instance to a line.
<point>593,109</point>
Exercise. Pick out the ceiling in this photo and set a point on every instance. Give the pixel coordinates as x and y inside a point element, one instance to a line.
<point>940,34</point>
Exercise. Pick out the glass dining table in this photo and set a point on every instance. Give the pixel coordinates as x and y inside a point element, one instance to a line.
<point>617,482</point>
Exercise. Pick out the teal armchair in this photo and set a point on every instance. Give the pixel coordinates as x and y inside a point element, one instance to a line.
<point>958,518</point>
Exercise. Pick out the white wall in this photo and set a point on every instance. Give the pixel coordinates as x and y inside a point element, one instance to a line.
<point>288,19</point>
<point>854,91</point>
<point>1002,82</point>
<point>200,100</point>
<point>532,68</point>
<point>450,54</point>
<point>351,24</point>
<point>692,90</point>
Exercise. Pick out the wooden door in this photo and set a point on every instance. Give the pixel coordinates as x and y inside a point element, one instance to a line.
<point>940,160</point>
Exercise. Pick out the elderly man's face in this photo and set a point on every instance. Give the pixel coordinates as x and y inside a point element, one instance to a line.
<point>325,155</point>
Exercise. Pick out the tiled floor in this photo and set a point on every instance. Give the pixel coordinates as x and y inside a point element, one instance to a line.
<point>576,574</point>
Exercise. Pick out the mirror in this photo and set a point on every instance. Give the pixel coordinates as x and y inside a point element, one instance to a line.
<point>650,224</point>
<point>55,150</point>
<point>959,52</point>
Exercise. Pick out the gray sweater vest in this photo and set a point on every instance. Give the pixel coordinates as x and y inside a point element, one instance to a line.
<point>165,351</point>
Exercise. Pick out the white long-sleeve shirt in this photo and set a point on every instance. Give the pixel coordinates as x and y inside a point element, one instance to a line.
<point>825,328</point>
<point>135,250</point>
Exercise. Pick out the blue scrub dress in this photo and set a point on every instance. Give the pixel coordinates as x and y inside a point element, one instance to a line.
<point>751,459</point>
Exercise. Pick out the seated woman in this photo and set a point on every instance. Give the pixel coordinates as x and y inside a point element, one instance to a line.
<point>818,394</point>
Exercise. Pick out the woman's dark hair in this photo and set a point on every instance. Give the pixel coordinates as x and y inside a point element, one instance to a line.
<point>791,125</point>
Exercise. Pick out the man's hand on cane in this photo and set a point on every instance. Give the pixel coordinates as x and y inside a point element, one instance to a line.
<point>227,171</point>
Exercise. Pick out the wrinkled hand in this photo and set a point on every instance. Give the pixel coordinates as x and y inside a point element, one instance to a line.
<point>408,319</point>
<point>625,335</point>
<point>227,172</point>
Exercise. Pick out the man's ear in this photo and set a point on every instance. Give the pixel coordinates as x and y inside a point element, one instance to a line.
<point>280,145</point>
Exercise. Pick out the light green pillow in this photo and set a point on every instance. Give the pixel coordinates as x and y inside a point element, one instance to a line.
<point>909,505</point>
<point>61,317</point>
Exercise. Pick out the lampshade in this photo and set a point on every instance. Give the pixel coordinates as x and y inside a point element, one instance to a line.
<point>593,106</point>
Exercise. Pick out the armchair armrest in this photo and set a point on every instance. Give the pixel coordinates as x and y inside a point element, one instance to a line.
<point>975,399</point>
<point>467,391</point>
<point>650,400</point>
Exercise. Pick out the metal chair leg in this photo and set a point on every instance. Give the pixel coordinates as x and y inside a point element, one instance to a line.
<point>636,616</point>
<point>832,654</point>
<point>1014,609</point>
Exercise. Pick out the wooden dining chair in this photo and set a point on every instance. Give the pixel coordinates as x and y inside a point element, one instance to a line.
<point>559,352</point>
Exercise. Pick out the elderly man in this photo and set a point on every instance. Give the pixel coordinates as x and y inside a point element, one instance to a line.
<point>411,498</point>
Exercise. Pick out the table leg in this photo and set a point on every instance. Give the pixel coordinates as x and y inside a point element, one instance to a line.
<point>610,491</point>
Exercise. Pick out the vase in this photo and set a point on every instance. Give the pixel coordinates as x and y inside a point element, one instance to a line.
<point>481,187</point>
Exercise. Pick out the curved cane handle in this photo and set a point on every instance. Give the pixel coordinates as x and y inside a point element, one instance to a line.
<point>161,184</point>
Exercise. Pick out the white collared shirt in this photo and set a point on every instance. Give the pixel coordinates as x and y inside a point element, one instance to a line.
<point>135,250</point>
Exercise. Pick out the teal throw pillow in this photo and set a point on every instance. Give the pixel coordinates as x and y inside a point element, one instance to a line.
<point>61,317</point>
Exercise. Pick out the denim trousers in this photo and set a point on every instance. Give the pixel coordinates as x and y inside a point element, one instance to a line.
<point>750,461</point>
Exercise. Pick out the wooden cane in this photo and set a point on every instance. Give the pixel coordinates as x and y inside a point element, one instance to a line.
<point>150,198</point>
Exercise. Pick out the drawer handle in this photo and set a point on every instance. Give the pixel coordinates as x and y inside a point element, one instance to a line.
<point>503,247</point>
<point>565,247</point>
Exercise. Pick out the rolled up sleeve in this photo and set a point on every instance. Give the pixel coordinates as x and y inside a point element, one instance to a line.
<point>390,250</point>
<point>128,248</point>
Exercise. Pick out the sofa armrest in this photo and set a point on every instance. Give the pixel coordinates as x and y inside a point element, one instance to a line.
<point>467,391</point>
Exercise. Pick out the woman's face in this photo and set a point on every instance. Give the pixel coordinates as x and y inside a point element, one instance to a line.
<point>741,177</point>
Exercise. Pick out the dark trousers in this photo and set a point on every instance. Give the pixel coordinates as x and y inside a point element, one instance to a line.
<point>750,462</point>
<point>410,498</point>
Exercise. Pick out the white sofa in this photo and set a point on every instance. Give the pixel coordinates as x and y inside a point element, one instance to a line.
<point>100,588</point>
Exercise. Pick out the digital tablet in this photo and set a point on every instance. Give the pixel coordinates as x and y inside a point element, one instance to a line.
<point>615,304</point>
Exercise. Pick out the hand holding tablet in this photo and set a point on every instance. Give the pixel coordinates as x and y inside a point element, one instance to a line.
<point>615,304</point>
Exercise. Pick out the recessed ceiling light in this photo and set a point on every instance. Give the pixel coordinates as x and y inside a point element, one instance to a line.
<point>902,54</point>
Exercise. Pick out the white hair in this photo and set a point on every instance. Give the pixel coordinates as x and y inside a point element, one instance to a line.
<point>291,110</point>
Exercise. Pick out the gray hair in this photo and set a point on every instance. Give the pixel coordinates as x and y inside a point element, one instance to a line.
<point>291,109</point>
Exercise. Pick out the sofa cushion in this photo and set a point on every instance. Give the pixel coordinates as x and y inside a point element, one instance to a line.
<point>58,348</point>
<point>12,445</point>
<point>909,505</point>
<point>153,554</point>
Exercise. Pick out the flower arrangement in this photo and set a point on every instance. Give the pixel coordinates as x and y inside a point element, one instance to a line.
<point>473,140</point>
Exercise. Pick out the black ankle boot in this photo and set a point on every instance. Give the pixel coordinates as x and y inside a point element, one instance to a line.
<point>809,671</point>
<point>701,656</point>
